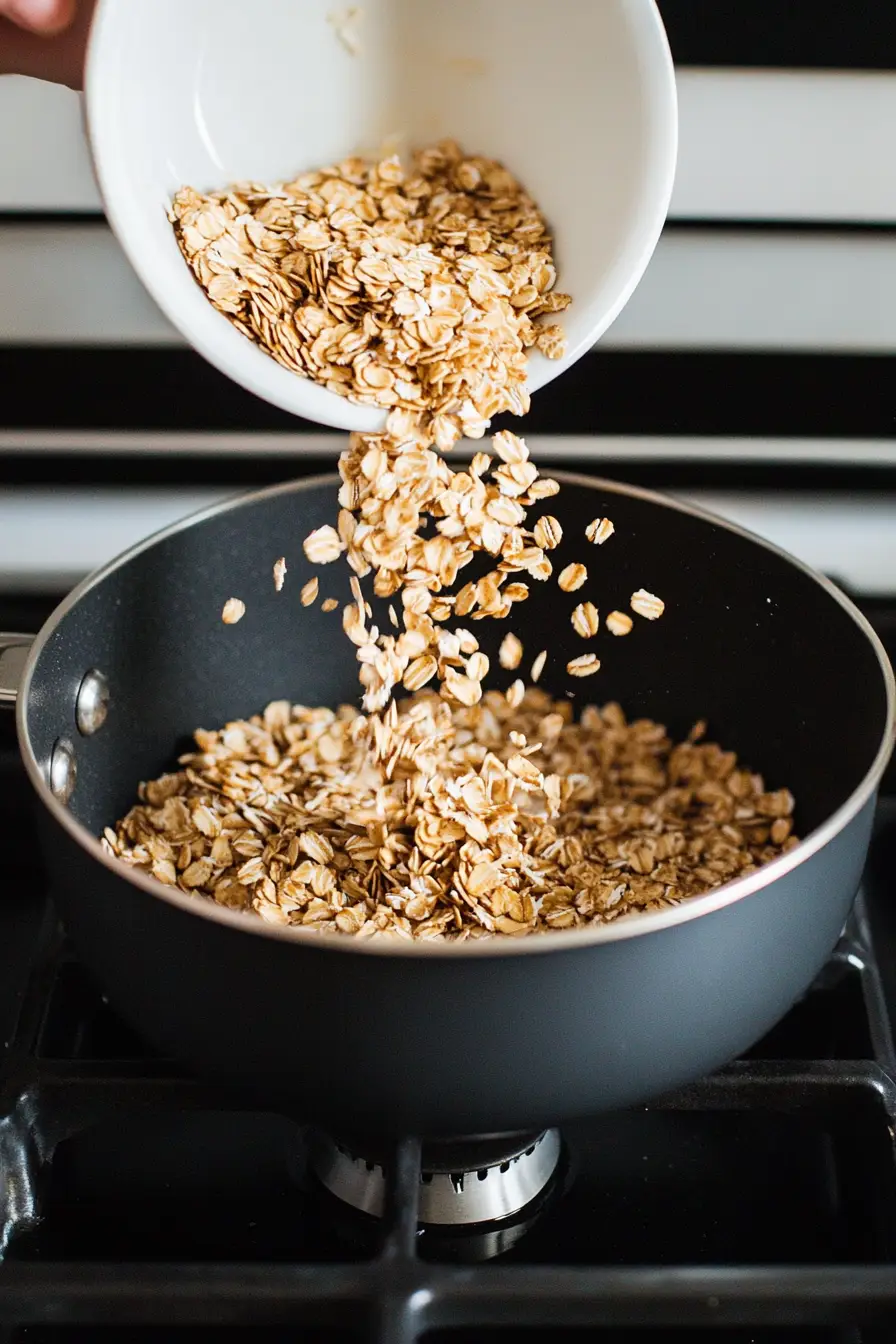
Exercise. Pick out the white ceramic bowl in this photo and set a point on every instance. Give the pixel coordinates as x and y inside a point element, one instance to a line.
<point>576,97</point>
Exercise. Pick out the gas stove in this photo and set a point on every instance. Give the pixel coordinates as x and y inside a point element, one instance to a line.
<point>751,372</point>
<point>138,1202</point>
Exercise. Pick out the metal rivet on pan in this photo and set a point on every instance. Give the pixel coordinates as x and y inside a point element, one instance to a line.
<point>63,769</point>
<point>92,704</point>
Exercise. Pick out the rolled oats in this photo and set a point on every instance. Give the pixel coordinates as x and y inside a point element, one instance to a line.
<point>572,577</point>
<point>584,666</point>
<point>234,610</point>
<point>279,573</point>
<point>585,620</point>
<point>345,24</point>
<point>323,545</point>
<point>420,671</point>
<point>413,523</point>
<point>438,821</point>
<point>538,665</point>
<point>547,532</point>
<point>510,654</point>
<point>419,287</point>
<point>551,341</point>
<point>618,623</point>
<point>599,531</point>
<point>308,594</point>
<point>647,605</point>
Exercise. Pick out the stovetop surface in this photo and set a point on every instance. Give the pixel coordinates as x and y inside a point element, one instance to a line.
<point>138,1203</point>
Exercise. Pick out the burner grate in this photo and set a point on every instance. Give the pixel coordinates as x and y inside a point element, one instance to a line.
<point>139,1203</point>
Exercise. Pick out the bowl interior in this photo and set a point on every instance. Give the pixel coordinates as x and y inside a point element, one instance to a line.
<point>578,100</point>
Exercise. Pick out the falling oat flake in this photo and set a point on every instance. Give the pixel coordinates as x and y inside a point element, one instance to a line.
<point>345,24</point>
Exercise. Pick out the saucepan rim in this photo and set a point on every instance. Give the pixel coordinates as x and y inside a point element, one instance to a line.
<point>627,926</point>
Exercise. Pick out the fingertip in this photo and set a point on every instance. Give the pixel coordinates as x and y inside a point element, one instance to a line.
<point>45,17</point>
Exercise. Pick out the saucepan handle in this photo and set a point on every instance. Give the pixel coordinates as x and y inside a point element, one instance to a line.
<point>14,651</point>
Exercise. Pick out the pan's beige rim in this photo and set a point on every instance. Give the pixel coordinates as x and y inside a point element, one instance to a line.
<point>622,929</point>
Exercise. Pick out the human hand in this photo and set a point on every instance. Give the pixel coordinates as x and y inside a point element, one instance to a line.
<point>45,38</point>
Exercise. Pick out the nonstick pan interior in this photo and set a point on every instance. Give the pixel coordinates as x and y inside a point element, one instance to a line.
<point>773,660</point>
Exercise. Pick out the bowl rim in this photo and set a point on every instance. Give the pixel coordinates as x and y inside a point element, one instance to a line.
<point>251,368</point>
<point>557,940</point>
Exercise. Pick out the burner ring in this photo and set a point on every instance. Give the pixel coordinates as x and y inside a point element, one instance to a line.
<point>461,1182</point>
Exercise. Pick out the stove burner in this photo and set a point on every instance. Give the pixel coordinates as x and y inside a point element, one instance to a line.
<point>462,1182</point>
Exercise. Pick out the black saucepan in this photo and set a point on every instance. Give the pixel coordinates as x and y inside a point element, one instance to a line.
<point>490,1036</point>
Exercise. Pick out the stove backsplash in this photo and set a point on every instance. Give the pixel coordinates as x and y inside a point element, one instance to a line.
<point>751,371</point>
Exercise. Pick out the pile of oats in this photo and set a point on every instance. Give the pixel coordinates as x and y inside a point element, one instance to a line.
<point>421,290</point>
<point>452,821</point>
